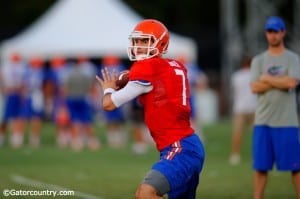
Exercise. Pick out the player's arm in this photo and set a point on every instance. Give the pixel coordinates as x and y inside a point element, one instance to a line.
<point>115,99</point>
<point>257,86</point>
<point>260,87</point>
<point>132,90</point>
<point>281,82</point>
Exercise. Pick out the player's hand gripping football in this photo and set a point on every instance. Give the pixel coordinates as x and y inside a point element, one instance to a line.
<point>108,79</point>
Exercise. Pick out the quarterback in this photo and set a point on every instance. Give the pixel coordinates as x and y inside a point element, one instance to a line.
<point>161,86</point>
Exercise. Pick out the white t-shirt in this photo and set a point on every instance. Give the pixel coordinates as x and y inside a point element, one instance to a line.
<point>13,75</point>
<point>244,100</point>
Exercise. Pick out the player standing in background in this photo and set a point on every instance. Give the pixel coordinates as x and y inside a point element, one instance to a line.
<point>61,116</point>
<point>77,86</point>
<point>274,76</point>
<point>140,133</point>
<point>196,77</point>
<point>13,85</point>
<point>244,104</point>
<point>114,120</point>
<point>163,89</point>
<point>3,124</point>
<point>33,100</point>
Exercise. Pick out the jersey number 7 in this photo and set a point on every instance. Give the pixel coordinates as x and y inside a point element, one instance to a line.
<point>180,73</point>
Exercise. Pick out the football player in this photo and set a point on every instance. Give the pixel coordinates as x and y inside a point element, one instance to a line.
<point>33,100</point>
<point>161,86</point>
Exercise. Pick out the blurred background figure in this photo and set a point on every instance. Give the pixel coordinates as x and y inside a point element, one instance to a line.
<point>58,107</point>
<point>33,102</point>
<point>140,133</point>
<point>13,80</point>
<point>93,99</point>
<point>244,104</point>
<point>3,124</point>
<point>195,76</point>
<point>77,87</point>
<point>114,120</point>
<point>206,101</point>
<point>50,91</point>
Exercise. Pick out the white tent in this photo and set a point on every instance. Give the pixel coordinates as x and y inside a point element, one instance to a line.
<point>89,27</point>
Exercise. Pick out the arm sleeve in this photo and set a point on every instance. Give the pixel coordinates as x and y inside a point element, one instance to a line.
<point>129,92</point>
<point>295,68</point>
<point>255,69</point>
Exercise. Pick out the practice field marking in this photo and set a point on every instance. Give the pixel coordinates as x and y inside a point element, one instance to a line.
<point>37,184</point>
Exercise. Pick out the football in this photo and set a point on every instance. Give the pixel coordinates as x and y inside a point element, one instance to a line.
<point>123,79</point>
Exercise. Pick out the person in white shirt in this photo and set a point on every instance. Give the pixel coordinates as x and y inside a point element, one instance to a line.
<point>13,84</point>
<point>244,104</point>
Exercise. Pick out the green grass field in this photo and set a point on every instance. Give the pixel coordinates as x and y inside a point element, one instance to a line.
<point>115,174</point>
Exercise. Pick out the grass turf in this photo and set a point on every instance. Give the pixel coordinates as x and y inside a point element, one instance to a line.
<point>115,174</point>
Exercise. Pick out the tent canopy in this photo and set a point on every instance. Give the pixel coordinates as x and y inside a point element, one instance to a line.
<point>93,28</point>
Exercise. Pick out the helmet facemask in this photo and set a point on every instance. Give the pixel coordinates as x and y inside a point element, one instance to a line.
<point>134,50</point>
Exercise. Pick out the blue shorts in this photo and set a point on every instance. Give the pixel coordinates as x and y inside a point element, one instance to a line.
<point>28,111</point>
<point>276,145</point>
<point>80,110</point>
<point>181,163</point>
<point>114,116</point>
<point>12,108</point>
